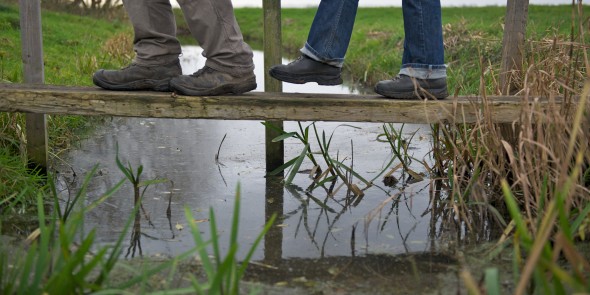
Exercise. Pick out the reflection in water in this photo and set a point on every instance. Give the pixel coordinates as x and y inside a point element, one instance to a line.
<point>204,160</point>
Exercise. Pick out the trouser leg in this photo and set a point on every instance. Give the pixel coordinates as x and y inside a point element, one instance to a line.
<point>330,31</point>
<point>423,55</point>
<point>213,24</point>
<point>154,27</point>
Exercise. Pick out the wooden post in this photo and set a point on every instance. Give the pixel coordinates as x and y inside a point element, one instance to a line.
<point>272,56</point>
<point>512,56</point>
<point>32,56</point>
<point>513,43</point>
<point>275,152</point>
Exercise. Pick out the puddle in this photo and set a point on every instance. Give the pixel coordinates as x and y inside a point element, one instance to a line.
<point>317,232</point>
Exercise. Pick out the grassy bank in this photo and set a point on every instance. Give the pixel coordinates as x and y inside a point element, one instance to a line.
<point>473,35</point>
<point>71,55</point>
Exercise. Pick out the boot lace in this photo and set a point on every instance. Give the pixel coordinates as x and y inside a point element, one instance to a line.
<point>201,71</point>
<point>297,60</point>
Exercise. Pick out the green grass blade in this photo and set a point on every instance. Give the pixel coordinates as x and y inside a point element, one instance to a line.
<point>284,136</point>
<point>340,164</point>
<point>244,264</point>
<point>200,244</point>
<point>578,221</point>
<point>283,167</point>
<point>296,165</point>
<point>515,211</point>
<point>214,239</point>
<point>43,258</point>
<point>492,281</point>
<point>235,225</point>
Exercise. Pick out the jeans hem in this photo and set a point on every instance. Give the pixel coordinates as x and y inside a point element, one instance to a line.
<point>422,71</point>
<point>313,54</point>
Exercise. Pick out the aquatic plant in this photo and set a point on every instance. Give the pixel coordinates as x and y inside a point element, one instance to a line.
<point>224,273</point>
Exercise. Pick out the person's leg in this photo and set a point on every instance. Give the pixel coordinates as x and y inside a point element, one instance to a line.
<point>423,72</point>
<point>330,32</point>
<point>327,42</point>
<point>229,67</point>
<point>155,46</point>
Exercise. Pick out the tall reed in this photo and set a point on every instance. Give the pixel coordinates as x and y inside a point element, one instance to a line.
<point>535,188</point>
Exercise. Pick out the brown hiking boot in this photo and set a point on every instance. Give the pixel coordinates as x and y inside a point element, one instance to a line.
<point>208,81</point>
<point>402,86</point>
<point>138,77</point>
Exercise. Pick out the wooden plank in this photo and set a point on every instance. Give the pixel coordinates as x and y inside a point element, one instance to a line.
<point>275,151</point>
<point>256,105</point>
<point>32,57</point>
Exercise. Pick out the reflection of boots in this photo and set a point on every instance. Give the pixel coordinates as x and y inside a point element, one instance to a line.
<point>403,86</point>
<point>208,81</point>
<point>138,77</point>
<point>305,69</point>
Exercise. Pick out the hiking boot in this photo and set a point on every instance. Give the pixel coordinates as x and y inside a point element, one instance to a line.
<point>138,77</point>
<point>208,81</point>
<point>402,86</point>
<point>305,69</point>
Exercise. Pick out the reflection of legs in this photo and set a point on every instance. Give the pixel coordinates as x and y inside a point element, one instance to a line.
<point>156,48</point>
<point>229,67</point>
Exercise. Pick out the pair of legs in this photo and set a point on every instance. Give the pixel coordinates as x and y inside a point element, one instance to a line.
<point>229,67</point>
<point>422,74</point>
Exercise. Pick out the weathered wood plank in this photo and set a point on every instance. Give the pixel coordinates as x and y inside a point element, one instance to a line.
<point>255,105</point>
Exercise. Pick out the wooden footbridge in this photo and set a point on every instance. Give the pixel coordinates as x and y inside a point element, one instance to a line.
<point>272,105</point>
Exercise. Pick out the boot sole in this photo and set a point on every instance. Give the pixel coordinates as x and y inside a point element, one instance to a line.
<point>237,88</point>
<point>440,93</point>
<point>145,84</point>
<point>320,79</point>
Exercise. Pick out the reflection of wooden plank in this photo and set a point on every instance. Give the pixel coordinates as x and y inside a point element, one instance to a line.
<point>256,105</point>
<point>32,56</point>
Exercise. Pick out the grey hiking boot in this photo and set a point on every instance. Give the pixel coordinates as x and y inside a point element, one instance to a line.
<point>208,81</point>
<point>305,69</point>
<point>402,86</point>
<point>138,77</point>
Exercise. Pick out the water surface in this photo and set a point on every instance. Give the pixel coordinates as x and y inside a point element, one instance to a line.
<point>203,170</point>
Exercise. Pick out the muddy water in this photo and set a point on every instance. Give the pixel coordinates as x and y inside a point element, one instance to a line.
<point>392,218</point>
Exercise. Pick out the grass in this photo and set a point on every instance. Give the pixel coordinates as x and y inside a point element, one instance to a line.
<point>375,50</point>
<point>60,258</point>
<point>535,192</point>
<point>71,56</point>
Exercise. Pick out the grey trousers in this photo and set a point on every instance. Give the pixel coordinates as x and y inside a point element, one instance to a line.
<point>211,22</point>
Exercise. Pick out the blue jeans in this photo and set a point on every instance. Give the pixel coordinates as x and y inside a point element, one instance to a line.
<point>423,55</point>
